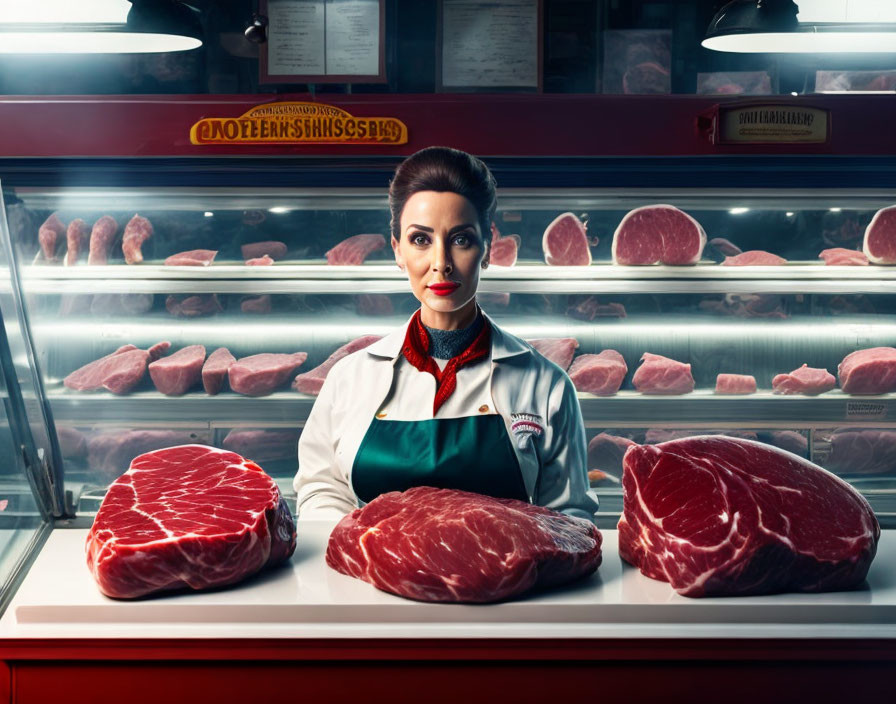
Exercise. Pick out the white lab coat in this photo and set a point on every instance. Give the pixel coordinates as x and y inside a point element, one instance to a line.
<point>535,398</point>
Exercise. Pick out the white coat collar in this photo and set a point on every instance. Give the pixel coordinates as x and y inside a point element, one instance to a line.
<point>503,344</point>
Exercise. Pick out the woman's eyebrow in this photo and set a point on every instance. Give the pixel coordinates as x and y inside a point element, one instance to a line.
<point>419,227</point>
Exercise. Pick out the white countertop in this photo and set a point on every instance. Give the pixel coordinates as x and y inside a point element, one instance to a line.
<point>307,599</point>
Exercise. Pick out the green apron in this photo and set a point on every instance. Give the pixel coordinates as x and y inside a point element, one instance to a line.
<point>472,453</point>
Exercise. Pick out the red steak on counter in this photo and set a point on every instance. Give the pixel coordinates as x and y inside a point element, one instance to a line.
<point>870,371</point>
<point>446,545</point>
<point>658,234</point>
<point>187,517</point>
<point>721,516</point>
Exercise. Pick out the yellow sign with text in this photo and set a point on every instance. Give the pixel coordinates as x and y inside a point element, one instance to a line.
<point>778,124</point>
<point>298,123</point>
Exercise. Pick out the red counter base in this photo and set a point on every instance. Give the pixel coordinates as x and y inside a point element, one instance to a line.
<point>459,672</point>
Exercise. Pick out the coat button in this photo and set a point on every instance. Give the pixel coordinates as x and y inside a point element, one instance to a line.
<point>381,414</point>
<point>483,409</point>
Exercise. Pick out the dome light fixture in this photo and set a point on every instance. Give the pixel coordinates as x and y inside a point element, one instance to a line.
<point>771,26</point>
<point>97,26</point>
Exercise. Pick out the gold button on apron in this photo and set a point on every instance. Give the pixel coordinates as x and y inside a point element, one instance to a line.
<point>381,414</point>
<point>483,409</point>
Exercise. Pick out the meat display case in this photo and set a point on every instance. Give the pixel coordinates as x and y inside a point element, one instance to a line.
<point>749,320</point>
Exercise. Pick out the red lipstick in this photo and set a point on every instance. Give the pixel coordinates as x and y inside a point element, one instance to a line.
<point>444,289</point>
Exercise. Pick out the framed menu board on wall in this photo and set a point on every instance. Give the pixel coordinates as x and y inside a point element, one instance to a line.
<point>323,41</point>
<point>488,46</point>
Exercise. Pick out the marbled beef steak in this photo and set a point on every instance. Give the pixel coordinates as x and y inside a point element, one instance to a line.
<point>722,516</point>
<point>187,516</point>
<point>455,546</point>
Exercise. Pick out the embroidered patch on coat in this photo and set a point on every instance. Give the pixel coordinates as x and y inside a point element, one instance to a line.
<point>525,425</point>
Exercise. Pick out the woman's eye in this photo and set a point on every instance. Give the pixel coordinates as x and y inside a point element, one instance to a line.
<point>419,240</point>
<point>462,240</point>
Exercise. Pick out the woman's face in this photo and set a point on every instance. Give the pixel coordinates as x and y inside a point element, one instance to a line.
<point>443,250</point>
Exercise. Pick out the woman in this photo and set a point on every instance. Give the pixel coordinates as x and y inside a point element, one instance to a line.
<point>449,400</point>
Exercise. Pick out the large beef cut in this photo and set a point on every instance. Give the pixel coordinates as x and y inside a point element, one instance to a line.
<point>118,372</point>
<point>661,375</point>
<point>263,445</point>
<point>720,516</point>
<point>869,371</point>
<point>503,250</point>
<point>261,374</point>
<point>806,380</point>
<point>187,517</point>
<point>310,382</point>
<point>101,238</point>
<point>559,350</point>
<point>75,235</point>
<point>271,248</point>
<point>215,369</point>
<point>193,257</point>
<point>455,546</point>
<point>178,373</point>
<point>599,374</point>
<point>565,242</point>
<point>735,384</point>
<point>754,257</point>
<point>48,236</point>
<point>658,234</point>
<point>111,453</point>
<point>839,256</point>
<point>857,450</point>
<point>136,232</point>
<point>355,250</point>
<point>879,244</point>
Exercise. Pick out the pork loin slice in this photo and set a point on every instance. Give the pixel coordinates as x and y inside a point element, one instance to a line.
<point>868,371</point>
<point>261,374</point>
<point>599,374</point>
<point>559,350</point>
<point>445,545</point>
<point>118,372</point>
<point>721,516</point>
<point>838,256</point>
<point>661,375</point>
<point>806,380</point>
<point>879,243</point>
<point>178,373</point>
<point>191,517</point>
<point>215,369</point>
<point>312,381</point>
<point>354,250</point>
<point>271,248</point>
<point>565,242</point>
<point>735,384</point>
<point>658,234</point>
<point>193,257</point>
<point>754,257</point>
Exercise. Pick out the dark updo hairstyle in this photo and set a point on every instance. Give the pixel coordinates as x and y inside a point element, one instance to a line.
<point>445,170</point>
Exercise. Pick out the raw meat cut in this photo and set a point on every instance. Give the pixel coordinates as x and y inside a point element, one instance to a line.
<point>74,238</point>
<point>111,453</point>
<point>271,248</point>
<point>374,304</point>
<point>806,380</point>
<point>868,371</point>
<point>256,304</point>
<point>720,516</point>
<point>101,238</point>
<point>605,452</point>
<point>118,372</point>
<point>599,374</point>
<point>178,373</point>
<point>661,375</point>
<point>72,442</point>
<point>838,256</point>
<point>215,369</point>
<point>193,306</point>
<point>260,261</point>
<point>589,308</point>
<point>48,236</point>
<point>754,257</point>
<point>310,382</point>
<point>446,545</point>
<point>789,440</point>
<point>735,384</point>
<point>263,445</point>
<point>565,242</point>
<point>725,247</point>
<point>354,250</point>
<point>503,250</point>
<point>558,350</point>
<point>857,450</point>
<point>187,517</point>
<point>120,303</point>
<point>658,234</point>
<point>879,244</point>
<point>136,232</point>
<point>260,374</point>
<point>194,257</point>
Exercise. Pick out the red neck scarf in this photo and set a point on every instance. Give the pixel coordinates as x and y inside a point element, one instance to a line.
<point>416,351</point>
